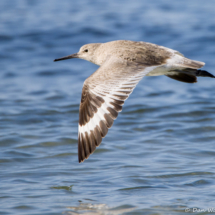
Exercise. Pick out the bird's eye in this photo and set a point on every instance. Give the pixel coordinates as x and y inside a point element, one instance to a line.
<point>86,50</point>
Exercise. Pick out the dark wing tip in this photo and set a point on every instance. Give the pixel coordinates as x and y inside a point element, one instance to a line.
<point>87,143</point>
<point>203,73</point>
<point>89,137</point>
<point>95,119</point>
<point>187,78</point>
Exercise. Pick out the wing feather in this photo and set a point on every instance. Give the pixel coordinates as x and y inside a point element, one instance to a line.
<point>103,96</point>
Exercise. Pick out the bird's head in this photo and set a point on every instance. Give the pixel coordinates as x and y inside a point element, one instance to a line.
<point>86,52</point>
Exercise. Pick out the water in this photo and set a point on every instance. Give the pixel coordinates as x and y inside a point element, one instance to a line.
<point>159,156</point>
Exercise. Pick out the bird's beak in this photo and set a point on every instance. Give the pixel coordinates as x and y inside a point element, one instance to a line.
<point>67,57</point>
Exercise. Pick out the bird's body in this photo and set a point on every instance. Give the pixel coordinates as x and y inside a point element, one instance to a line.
<point>123,64</point>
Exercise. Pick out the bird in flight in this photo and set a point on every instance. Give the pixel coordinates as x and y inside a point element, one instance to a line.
<point>123,64</point>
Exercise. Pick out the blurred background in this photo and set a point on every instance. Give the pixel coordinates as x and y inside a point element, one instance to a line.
<point>158,158</point>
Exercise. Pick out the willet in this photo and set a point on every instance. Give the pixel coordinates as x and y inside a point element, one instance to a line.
<point>122,64</point>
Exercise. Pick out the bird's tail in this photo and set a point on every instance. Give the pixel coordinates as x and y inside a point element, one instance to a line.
<point>189,75</point>
<point>203,73</point>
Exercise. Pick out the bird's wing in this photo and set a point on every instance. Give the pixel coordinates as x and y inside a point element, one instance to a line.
<point>103,96</point>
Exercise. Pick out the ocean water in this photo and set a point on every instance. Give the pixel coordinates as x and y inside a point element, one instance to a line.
<point>159,156</point>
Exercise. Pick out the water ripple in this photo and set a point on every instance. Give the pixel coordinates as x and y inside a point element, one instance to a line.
<point>158,158</point>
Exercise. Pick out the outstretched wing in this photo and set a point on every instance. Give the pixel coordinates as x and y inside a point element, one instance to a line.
<point>103,96</point>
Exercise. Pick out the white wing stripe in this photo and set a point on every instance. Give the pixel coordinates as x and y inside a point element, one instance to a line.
<point>111,97</point>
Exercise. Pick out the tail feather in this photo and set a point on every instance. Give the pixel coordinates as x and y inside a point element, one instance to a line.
<point>193,64</point>
<point>188,75</point>
<point>186,70</point>
<point>203,73</point>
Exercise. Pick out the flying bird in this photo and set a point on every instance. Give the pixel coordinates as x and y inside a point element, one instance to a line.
<point>123,64</point>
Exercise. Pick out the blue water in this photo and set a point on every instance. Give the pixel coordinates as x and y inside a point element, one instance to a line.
<point>159,156</point>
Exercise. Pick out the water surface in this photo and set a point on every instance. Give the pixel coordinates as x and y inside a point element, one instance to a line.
<point>158,158</point>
